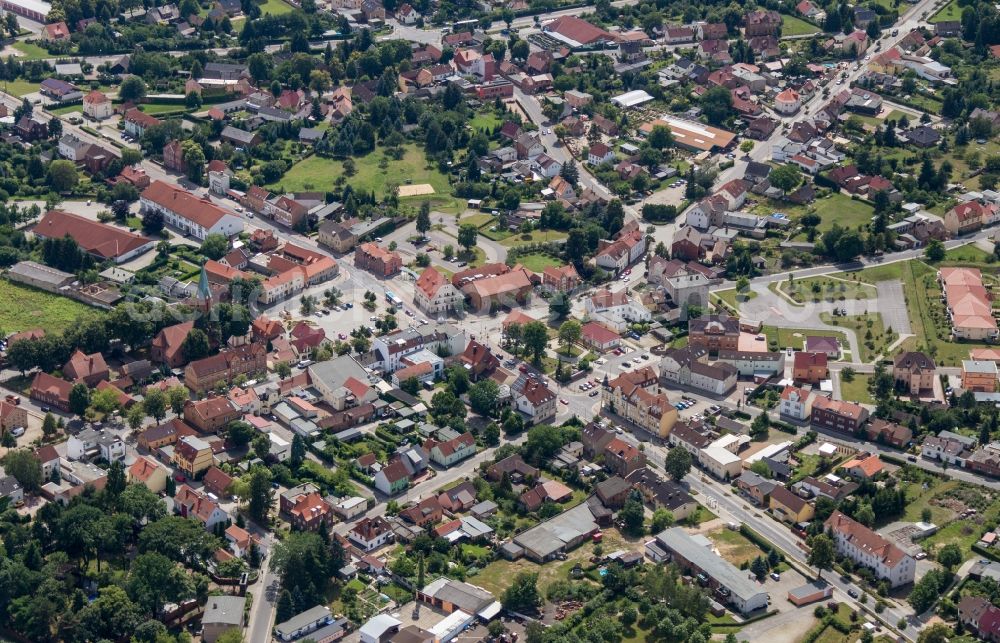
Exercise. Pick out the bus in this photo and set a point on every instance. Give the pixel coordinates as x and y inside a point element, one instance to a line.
<point>392,299</point>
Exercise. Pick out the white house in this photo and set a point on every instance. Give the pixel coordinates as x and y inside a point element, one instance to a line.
<point>865,547</point>
<point>392,348</point>
<point>616,310</point>
<point>434,293</point>
<point>91,443</point>
<point>533,398</point>
<point>97,106</point>
<point>796,403</point>
<point>720,462</point>
<point>370,533</point>
<point>197,216</point>
<point>787,102</point>
<point>599,154</point>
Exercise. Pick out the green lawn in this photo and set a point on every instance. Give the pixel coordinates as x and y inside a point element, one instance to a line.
<point>967,254</point>
<point>163,108</point>
<point>319,173</point>
<point>36,308</point>
<point>857,389</point>
<point>792,26</point>
<point>20,87</point>
<point>485,121</point>
<point>869,330</point>
<point>844,211</point>
<point>538,262</point>
<point>535,236</point>
<point>66,109</point>
<point>734,546</point>
<point>951,11</point>
<point>31,51</point>
<point>794,337</point>
<point>829,289</point>
<point>275,7</point>
<point>478,220</point>
<point>733,299</point>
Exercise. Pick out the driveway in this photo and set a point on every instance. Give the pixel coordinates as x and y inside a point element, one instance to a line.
<point>778,311</point>
<point>786,627</point>
<point>892,306</point>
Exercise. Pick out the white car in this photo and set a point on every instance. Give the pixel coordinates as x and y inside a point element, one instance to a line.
<point>17,431</point>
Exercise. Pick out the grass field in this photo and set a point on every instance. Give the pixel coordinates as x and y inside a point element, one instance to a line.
<point>792,26</point>
<point>967,254</point>
<point>951,11</point>
<point>36,308</point>
<point>857,389</point>
<point>795,337</point>
<point>734,546</point>
<point>538,262</point>
<point>163,108</point>
<point>844,211</point>
<point>20,87</point>
<point>31,51</point>
<point>484,121</point>
<point>733,298</point>
<point>318,173</point>
<point>535,236</point>
<point>830,289</point>
<point>275,7</point>
<point>861,325</point>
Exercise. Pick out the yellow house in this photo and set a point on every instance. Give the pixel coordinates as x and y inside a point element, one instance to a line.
<point>192,455</point>
<point>635,397</point>
<point>149,473</point>
<point>790,508</point>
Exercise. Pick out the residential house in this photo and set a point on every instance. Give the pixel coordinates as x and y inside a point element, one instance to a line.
<point>838,415</point>
<point>810,367</point>
<point>796,403</point>
<point>867,548</point>
<point>789,507</point>
<point>914,371</point>
<point>192,455</point>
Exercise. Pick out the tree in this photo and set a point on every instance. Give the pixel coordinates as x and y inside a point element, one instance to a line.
<point>865,515</point>
<point>822,554</point>
<point>937,633</point>
<point>285,609</point>
<point>522,595</point>
<point>25,468</point>
<point>759,427</point>
<point>195,345</point>
<point>717,105</point>
<point>155,404</point>
<point>424,218</point>
<point>239,433</point>
<point>950,556</point>
<point>467,234</point>
<point>484,396</point>
<point>49,427</point>
<point>662,519</point>
<point>194,159</point>
<point>934,250</point>
<point>132,89</point>
<point>535,337</point>
<point>79,398</point>
<point>135,416</point>
<point>746,146</point>
<point>660,137</point>
<point>631,515</point>
<point>298,454</point>
<point>215,246</point>
<point>926,591</point>
<point>785,177</point>
<point>261,497</point>
<point>677,464</point>
<point>559,305</point>
<point>152,221</point>
<point>63,176</point>
<point>410,385</point>
<point>569,334</point>
<point>178,396</point>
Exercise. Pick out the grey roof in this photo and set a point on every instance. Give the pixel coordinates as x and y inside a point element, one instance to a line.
<point>751,479</point>
<point>809,589</point>
<point>378,626</point>
<point>677,540</point>
<point>551,536</point>
<point>335,372</point>
<point>466,597</point>
<point>485,506</point>
<point>8,486</point>
<point>475,528</point>
<point>303,619</point>
<point>237,134</point>
<point>227,610</point>
<point>39,272</point>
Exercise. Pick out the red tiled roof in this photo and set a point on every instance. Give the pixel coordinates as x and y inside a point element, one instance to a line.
<point>105,241</point>
<point>198,210</point>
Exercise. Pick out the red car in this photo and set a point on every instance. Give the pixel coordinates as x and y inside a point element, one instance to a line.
<point>522,368</point>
